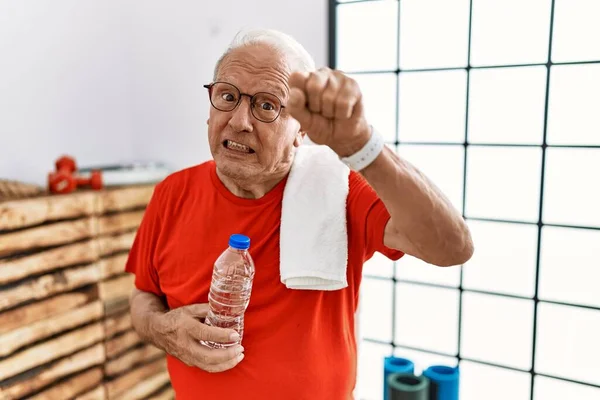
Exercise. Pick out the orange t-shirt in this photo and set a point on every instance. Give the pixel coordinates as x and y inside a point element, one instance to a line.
<point>299,344</point>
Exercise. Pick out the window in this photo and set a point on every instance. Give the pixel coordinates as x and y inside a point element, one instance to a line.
<point>497,102</point>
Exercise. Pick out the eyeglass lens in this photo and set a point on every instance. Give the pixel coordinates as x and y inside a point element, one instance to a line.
<point>225,97</point>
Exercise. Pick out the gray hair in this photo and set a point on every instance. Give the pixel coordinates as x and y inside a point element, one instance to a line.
<point>297,57</point>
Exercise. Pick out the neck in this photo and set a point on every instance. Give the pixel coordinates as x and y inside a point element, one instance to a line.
<point>251,189</point>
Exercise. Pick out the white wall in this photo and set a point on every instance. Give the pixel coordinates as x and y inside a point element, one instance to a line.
<point>64,85</point>
<point>175,48</point>
<point>109,80</point>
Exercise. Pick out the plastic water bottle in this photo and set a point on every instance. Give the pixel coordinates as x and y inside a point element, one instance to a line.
<point>230,289</point>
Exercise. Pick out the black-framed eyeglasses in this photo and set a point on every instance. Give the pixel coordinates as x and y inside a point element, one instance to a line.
<point>224,96</point>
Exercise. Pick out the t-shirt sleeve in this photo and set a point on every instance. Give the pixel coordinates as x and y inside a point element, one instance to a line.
<point>140,261</point>
<point>369,216</point>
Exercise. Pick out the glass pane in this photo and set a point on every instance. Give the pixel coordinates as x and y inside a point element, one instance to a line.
<point>421,45</point>
<point>573,116</point>
<point>423,360</point>
<point>369,384</point>
<point>443,165</point>
<point>503,183</point>
<point>567,343</point>
<point>572,187</point>
<point>575,23</point>
<point>422,313</point>
<point>359,26</point>
<point>497,329</point>
<point>570,266</point>
<point>412,269</point>
<point>376,309</point>
<point>379,97</point>
<point>506,105</point>
<point>479,382</point>
<point>504,259</point>
<point>432,106</point>
<point>549,389</point>
<point>510,32</point>
<point>379,265</point>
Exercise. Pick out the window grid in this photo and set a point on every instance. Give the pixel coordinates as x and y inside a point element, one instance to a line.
<point>332,62</point>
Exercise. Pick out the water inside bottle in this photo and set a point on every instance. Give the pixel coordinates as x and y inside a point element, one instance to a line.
<point>228,299</point>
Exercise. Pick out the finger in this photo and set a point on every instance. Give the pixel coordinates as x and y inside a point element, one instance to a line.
<point>329,97</point>
<point>297,108</point>
<point>198,310</point>
<point>205,356</point>
<point>315,86</point>
<point>298,80</point>
<point>214,334</point>
<point>226,365</point>
<point>346,99</point>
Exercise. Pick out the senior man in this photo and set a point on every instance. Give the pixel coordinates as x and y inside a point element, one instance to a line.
<point>298,344</point>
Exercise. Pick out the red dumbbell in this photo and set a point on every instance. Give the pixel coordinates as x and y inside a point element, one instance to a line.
<point>94,181</point>
<point>63,180</point>
<point>66,163</point>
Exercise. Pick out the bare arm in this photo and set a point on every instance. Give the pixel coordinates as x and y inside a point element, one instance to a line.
<point>146,310</point>
<point>179,331</point>
<point>329,106</point>
<point>423,223</point>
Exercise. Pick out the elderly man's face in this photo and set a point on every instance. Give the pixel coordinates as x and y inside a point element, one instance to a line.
<point>266,149</point>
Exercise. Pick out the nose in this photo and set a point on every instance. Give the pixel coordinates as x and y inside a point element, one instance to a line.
<point>241,116</point>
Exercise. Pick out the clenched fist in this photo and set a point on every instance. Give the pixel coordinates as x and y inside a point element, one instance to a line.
<point>329,106</point>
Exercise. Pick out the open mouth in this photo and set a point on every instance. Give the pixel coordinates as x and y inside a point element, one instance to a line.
<point>242,148</point>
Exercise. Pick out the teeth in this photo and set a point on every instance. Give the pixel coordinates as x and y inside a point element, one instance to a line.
<point>237,146</point>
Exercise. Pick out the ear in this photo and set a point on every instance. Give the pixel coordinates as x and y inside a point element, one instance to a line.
<point>299,139</point>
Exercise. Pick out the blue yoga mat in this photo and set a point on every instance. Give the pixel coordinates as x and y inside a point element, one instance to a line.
<point>444,382</point>
<point>395,365</point>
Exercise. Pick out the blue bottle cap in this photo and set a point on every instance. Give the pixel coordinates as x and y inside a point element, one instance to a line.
<point>239,242</point>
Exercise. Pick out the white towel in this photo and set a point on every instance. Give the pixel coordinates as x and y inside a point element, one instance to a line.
<point>313,235</point>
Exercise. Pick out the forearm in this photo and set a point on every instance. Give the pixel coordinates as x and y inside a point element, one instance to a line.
<point>423,220</point>
<point>146,310</point>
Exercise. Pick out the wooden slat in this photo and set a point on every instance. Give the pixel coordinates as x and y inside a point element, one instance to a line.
<point>118,223</point>
<point>99,393</point>
<point>119,287</point>
<point>131,358</point>
<point>47,285</point>
<point>53,372</point>
<point>46,236</point>
<point>116,324</point>
<point>115,307</point>
<point>126,198</point>
<point>112,244</point>
<point>11,189</point>
<point>14,340</point>
<point>73,386</point>
<point>111,266</point>
<point>165,394</point>
<point>129,380</point>
<point>51,350</point>
<point>47,308</point>
<point>121,343</point>
<point>28,212</point>
<point>35,264</point>
<point>145,388</point>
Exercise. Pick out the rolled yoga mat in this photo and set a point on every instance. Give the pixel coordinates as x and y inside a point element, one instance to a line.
<point>395,365</point>
<point>408,387</point>
<point>444,382</point>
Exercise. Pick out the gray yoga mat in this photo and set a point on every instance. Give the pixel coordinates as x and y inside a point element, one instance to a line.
<point>408,387</point>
